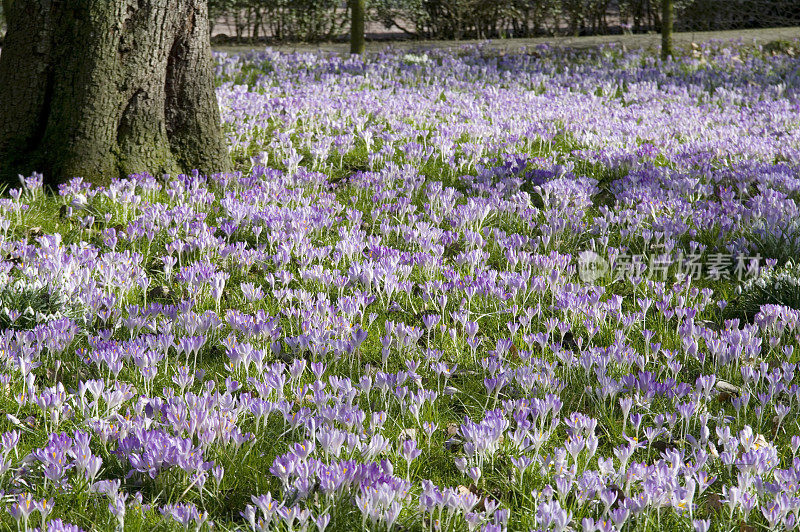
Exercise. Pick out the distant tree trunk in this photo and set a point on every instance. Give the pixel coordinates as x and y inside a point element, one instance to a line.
<point>101,90</point>
<point>666,29</point>
<point>358,14</point>
<point>258,15</point>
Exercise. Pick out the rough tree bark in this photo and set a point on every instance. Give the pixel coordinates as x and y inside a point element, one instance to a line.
<point>101,90</point>
<point>666,29</point>
<point>358,12</point>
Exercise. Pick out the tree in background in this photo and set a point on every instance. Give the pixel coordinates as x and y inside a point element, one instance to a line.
<point>409,16</point>
<point>101,90</point>
<point>358,12</point>
<point>666,28</point>
<point>279,20</point>
<point>322,20</point>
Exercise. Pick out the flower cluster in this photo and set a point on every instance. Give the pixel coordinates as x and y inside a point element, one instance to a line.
<point>380,320</point>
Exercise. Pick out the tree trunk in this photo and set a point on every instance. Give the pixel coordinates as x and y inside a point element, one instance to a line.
<point>101,90</point>
<point>358,13</point>
<point>666,29</point>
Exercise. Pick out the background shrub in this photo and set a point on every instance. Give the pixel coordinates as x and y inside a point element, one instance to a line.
<point>319,20</point>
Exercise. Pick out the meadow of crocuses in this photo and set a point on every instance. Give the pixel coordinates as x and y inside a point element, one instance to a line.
<point>448,290</point>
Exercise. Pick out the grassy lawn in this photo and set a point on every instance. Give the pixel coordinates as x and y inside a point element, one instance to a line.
<point>465,289</point>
